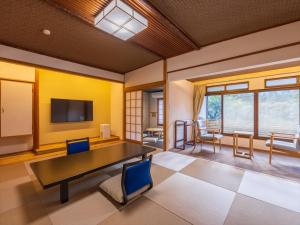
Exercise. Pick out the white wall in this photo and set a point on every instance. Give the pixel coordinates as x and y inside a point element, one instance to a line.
<point>15,54</point>
<point>147,74</point>
<point>180,104</point>
<point>258,41</point>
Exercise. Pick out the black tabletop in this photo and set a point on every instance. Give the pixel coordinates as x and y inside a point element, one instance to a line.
<point>53,171</point>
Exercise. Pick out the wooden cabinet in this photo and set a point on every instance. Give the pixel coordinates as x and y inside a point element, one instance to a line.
<point>16,108</point>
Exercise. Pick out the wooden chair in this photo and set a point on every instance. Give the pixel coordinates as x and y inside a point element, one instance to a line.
<point>283,143</point>
<point>203,134</point>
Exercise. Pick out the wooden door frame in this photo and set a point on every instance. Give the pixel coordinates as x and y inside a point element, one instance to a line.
<point>142,88</point>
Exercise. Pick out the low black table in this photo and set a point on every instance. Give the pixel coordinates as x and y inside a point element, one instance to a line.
<point>60,171</point>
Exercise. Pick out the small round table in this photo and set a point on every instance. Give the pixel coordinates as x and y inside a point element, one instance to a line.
<point>243,154</point>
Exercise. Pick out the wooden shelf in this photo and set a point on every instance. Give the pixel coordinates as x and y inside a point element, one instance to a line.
<point>48,148</point>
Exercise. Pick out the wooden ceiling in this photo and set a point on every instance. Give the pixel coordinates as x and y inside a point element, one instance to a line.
<point>71,38</point>
<point>175,27</point>
<point>212,21</point>
<point>161,37</point>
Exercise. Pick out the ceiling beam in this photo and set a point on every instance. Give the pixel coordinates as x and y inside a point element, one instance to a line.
<point>149,10</point>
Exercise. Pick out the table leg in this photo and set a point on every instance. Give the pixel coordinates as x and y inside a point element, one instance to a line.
<point>64,192</point>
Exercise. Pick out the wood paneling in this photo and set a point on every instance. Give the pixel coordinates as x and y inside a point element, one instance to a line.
<point>161,37</point>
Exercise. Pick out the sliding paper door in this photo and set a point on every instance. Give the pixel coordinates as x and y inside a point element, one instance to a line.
<point>134,116</point>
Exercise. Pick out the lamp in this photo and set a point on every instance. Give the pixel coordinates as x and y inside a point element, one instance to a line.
<point>120,20</point>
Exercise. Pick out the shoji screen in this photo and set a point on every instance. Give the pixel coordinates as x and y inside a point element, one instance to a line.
<point>134,115</point>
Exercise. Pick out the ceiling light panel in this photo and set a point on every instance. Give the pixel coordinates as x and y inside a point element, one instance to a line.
<point>120,20</point>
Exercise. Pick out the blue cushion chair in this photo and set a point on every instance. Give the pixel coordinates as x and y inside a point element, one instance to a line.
<point>78,145</point>
<point>134,180</point>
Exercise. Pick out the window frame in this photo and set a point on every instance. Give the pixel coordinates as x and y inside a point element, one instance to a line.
<point>256,99</point>
<point>158,100</point>
<point>284,85</point>
<point>226,90</point>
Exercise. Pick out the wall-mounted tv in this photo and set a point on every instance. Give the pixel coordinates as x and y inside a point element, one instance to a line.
<point>65,110</point>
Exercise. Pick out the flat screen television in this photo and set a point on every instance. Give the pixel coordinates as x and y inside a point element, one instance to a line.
<point>65,110</point>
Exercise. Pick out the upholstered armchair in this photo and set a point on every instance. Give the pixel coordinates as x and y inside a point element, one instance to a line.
<point>203,134</point>
<point>283,143</point>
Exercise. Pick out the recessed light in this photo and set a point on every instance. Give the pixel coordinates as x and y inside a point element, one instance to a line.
<point>46,32</point>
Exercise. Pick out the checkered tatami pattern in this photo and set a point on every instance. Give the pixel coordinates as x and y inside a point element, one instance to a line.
<point>186,190</point>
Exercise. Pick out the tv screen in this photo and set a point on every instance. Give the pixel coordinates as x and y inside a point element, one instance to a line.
<point>64,110</point>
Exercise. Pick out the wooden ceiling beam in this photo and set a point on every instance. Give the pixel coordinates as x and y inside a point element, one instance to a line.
<point>150,11</point>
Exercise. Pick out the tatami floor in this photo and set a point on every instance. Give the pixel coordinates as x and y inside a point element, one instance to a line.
<point>187,190</point>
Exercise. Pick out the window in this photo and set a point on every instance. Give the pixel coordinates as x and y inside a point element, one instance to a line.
<point>214,111</point>
<point>160,112</point>
<point>239,86</point>
<point>238,112</point>
<point>228,87</point>
<point>278,112</point>
<point>236,108</point>
<point>281,82</point>
<point>216,88</point>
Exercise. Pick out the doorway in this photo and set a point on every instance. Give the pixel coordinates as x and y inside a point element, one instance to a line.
<point>153,117</point>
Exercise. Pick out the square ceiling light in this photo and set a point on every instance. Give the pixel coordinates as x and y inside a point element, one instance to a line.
<point>120,20</point>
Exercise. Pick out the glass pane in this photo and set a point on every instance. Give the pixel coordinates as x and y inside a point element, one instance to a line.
<point>107,26</point>
<point>278,112</point>
<point>214,111</point>
<point>280,82</point>
<point>238,112</point>
<point>232,87</point>
<point>216,88</point>
<point>127,127</point>
<point>128,135</point>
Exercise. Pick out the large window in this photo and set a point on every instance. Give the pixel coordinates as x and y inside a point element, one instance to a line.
<point>278,112</point>
<point>238,112</point>
<point>214,111</point>
<point>261,112</point>
<point>160,112</point>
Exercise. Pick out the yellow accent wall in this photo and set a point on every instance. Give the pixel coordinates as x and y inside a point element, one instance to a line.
<point>53,84</point>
